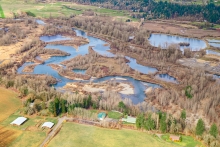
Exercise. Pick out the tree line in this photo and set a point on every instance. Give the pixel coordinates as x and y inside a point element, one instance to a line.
<point>162,9</point>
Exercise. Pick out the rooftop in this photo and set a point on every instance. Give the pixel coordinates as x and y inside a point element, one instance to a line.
<point>48,125</point>
<point>19,121</point>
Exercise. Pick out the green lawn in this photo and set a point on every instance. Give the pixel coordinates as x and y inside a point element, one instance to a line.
<point>76,135</point>
<point>187,141</point>
<point>1,13</point>
<point>46,10</point>
<point>114,115</point>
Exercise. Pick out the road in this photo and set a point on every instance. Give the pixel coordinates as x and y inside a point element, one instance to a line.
<point>60,121</point>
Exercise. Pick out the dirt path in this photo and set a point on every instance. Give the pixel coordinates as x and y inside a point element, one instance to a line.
<point>51,134</point>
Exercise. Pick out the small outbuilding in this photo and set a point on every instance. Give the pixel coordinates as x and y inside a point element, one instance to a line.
<point>19,121</point>
<point>174,138</point>
<point>47,125</point>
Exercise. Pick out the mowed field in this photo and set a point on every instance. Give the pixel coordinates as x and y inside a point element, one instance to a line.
<point>45,10</point>
<point>9,103</point>
<point>76,135</point>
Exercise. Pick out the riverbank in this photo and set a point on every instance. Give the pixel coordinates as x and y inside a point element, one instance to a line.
<point>122,87</point>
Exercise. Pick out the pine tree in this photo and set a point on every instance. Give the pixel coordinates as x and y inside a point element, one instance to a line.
<point>163,124</point>
<point>183,114</point>
<point>214,130</point>
<point>200,127</point>
<point>140,121</point>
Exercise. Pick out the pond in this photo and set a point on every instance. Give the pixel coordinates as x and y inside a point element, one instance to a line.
<point>212,52</point>
<point>164,41</point>
<point>80,71</point>
<point>98,46</point>
<point>167,78</point>
<point>143,69</point>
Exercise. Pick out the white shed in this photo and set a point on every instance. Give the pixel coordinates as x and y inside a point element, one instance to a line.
<point>48,125</point>
<point>19,121</point>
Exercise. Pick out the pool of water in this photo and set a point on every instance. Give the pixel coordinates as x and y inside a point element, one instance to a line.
<point>53,38</point>
<point>212,52</point>
<point>98,46</point>
<point>23,66</point>
<point>143,69</point>
<point>167,78</point>
<point>213,40</point>
<point>40,22</point>
<point>214,44</point>
<point>164,41</point>
<point>80,71</point>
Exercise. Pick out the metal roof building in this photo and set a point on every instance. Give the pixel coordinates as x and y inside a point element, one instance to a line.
<point>19,121</point>
<point>48,125</point>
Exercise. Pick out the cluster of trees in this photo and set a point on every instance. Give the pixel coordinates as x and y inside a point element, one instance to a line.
<point>54,30</point>
<point>165,123</point>
<point>166,10</point>
<point>57,106</point>
<point>112,29</point>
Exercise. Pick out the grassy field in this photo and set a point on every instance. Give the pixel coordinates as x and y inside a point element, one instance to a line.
<point>1,12</point>
<point>75,135</point>
<point>114,115</point>
<point>46,10</point>
<point>9,103</point>
<point>28,134</point>
<point>187,141</point>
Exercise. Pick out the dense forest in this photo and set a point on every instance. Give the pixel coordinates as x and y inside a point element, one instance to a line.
<point>164,10</point>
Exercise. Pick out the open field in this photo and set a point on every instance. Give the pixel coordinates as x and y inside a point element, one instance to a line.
<point>114,115</point>
<point>29,134</point>
<point>175,27</point>
<point>9,103</point>
<point>45,10</point>
<point>8,134</point>
<point>73,134</point>
<point>187,141</point>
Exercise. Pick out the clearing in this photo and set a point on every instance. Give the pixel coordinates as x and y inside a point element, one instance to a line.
<point>187,141</point>
<point>87,136</point>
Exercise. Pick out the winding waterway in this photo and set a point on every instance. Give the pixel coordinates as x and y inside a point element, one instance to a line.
<point>98,46</point>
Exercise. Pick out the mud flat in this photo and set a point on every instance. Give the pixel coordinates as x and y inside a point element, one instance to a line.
<point>123,88</point>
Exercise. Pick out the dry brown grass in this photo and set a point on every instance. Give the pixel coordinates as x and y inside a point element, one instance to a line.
<point>179,29</point>
<point>9,103</point>
<point>7,135</point>
<point>8,50</point>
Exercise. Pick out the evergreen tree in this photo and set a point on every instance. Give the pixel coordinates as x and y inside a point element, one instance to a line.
<point>150,124</point>
<point>214,130</point>
<point>56,107</point>
<point>163,124</point>
<point>183,114</point>
<point>200,127</point>
<point>63,106</point>
<point>51,107</point>
<point>140,121</point>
